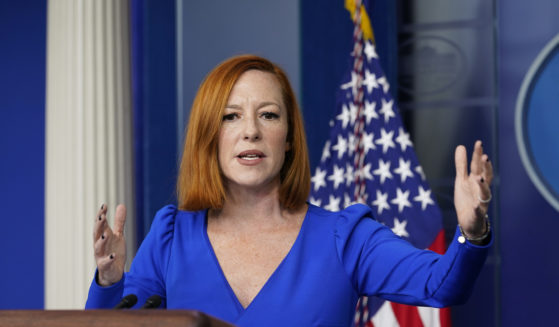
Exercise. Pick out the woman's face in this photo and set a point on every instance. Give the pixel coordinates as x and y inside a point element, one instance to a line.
<point>253,135</point>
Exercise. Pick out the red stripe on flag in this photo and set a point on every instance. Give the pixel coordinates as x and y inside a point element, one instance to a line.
<point>406,315</point>
<point>444,315</point>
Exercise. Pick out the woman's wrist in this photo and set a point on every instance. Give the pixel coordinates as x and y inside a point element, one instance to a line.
<point>103,282</point>
<point>481,237</point>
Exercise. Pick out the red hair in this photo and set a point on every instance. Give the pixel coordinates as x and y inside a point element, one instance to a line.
<point>200,183</point>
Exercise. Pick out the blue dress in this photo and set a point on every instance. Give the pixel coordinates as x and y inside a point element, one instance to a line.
<point>337,257</point>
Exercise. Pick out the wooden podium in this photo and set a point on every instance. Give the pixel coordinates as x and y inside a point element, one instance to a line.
<point>108,318</point>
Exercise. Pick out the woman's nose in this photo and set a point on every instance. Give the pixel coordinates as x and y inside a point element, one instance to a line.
<point>251,130</point>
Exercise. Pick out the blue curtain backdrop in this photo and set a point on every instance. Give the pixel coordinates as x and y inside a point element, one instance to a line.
<point>22,152</point>
<point>155,107</point>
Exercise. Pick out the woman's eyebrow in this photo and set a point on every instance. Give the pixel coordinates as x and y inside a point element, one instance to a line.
<point>260,105</point>
<point>268,103</point>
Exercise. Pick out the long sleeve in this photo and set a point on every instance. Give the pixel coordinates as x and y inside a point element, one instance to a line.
<point>382,264</point>
<point>100,297</point>
<point>148,271</point>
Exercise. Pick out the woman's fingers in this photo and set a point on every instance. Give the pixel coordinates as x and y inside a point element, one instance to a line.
<point>461,162</point>
<point>102,233</point>
<point>487,169</point>
<point>105,262</point>
<point>120,219</point>
<point>484,176</point>
<point>99,246</point>
<point>100,223</point>
<point>476,164</point>
<point>484,192</point>
<point>105,239</point>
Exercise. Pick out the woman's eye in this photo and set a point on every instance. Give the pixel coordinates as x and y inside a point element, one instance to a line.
<point>270,115</point>
<point>229,117</point>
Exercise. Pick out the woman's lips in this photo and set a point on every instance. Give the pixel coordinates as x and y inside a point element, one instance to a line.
<point>250,157</point>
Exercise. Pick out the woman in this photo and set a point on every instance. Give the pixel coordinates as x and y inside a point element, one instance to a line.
<point>245,246</point>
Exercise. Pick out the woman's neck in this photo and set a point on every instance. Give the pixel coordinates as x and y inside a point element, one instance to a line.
<point>246,207</point>
<point>251,205</point>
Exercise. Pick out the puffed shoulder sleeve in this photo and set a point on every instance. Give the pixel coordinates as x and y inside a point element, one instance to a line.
<point>149,267</point>
<point>380,263</point>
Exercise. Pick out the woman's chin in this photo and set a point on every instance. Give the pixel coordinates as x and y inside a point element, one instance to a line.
<point>253,184</point>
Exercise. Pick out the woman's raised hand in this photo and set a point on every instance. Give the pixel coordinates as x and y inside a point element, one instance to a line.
<point>109,246</point>
<point>472,192</point>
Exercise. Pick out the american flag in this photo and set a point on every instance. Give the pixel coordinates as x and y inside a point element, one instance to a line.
<point>370,159</point>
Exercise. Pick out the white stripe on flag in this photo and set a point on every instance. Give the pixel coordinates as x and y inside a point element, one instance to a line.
<point>430,316</point>
<point>385,316</point>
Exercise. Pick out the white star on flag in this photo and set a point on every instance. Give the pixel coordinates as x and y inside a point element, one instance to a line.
<point>344,116</point>
<point>400,228</point>
<point>385,86</point>
<point>404,139</point>
<point>370,81</point>
<point>424,197</point>
<point>386,110</point>
<point>337,177</point>
<point>383,170</point>
<point>381,202</point>
<point>365,172</point>
<point>385,140</point>
<point>403,170</point>
<point>368,143</point>
<point>341,146</point>
<point>334,204</point>
<point>351,84</point>
<point>401,199</point>
<point>370,112</point>
<point>318,178</point>
<point>370,51</point>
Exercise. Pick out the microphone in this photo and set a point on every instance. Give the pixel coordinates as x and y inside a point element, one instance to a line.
<point>127,302</point>
<point>153,302</point>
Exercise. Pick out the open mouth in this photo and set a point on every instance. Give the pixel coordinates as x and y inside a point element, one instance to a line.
<point>251,155</point>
